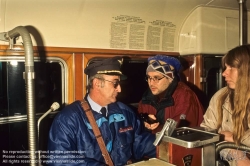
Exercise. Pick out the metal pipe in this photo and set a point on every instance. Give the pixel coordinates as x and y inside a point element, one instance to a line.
<point>29,77</point>
<point>53,107</point>
<point>241,22</point>
<point>223,145</point>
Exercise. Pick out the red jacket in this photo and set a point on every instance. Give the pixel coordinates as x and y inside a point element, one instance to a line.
<point>180,103</point>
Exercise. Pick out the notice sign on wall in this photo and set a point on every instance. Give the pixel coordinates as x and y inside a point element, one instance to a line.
<point>130,32</point>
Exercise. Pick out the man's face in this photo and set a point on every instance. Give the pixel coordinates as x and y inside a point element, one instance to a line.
<point>160,84</point>
<point>109,89</point>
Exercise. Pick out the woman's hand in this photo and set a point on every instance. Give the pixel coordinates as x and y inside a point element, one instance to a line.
<point>228,136</point>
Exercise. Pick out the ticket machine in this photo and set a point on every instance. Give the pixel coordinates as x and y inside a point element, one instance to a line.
<point>183,147</point>
<point>189,147</point>
<point>186,146</point>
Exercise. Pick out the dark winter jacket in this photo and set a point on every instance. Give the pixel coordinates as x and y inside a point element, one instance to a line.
<point>179,103</point>
<point>71,139</point>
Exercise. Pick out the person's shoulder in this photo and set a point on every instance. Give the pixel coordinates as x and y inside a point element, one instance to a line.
<point>214,99</point>
<point>182,87</point>
<point>70,110</point>
<point>122,107</point>
<point>220,91</point>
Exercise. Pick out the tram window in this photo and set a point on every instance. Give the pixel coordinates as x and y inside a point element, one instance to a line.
<point>47,82</point>
<point>213,74</point>
<point>135,85</point>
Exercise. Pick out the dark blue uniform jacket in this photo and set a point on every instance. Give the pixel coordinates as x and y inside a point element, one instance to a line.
<point>72,141</point>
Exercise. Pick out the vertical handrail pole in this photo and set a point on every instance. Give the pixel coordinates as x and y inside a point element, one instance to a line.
<point>241,22</point>
<point>29,76</point>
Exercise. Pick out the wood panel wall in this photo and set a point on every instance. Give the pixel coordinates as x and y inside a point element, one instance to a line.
<point>76,60</point>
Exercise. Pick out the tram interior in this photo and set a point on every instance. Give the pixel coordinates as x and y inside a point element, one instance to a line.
<point>194,42</point>
<point>49,89</point>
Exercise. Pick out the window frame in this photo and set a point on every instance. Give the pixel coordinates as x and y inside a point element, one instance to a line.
<point>64,85</point>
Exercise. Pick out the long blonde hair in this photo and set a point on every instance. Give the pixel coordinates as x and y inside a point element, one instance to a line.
<point>239,98</point>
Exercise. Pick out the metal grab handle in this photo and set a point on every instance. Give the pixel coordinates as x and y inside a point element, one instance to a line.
<point>168,129</point>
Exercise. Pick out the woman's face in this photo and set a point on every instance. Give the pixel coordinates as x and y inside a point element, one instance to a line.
<point>231,76</point>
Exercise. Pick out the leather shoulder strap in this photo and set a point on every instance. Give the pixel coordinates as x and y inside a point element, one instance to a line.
<point>97,132</point>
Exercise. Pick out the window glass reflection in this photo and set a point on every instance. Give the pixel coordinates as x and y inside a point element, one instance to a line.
<point>48,87</point>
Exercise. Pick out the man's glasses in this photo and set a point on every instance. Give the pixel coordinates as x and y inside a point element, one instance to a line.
<point>155,79</point>
<point>116,83</point>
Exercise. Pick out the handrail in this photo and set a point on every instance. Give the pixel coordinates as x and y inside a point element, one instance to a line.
<point>29,76</point>
<point>241,22</point>
<point>224,145</point>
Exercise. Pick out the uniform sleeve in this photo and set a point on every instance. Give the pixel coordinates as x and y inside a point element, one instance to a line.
<point>143,143</point>
<point>62,144</point>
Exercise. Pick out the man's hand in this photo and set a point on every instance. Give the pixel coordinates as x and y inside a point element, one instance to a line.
<point>151,126</point>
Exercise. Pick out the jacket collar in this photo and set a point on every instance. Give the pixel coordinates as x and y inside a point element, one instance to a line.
<point>112,108</point>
